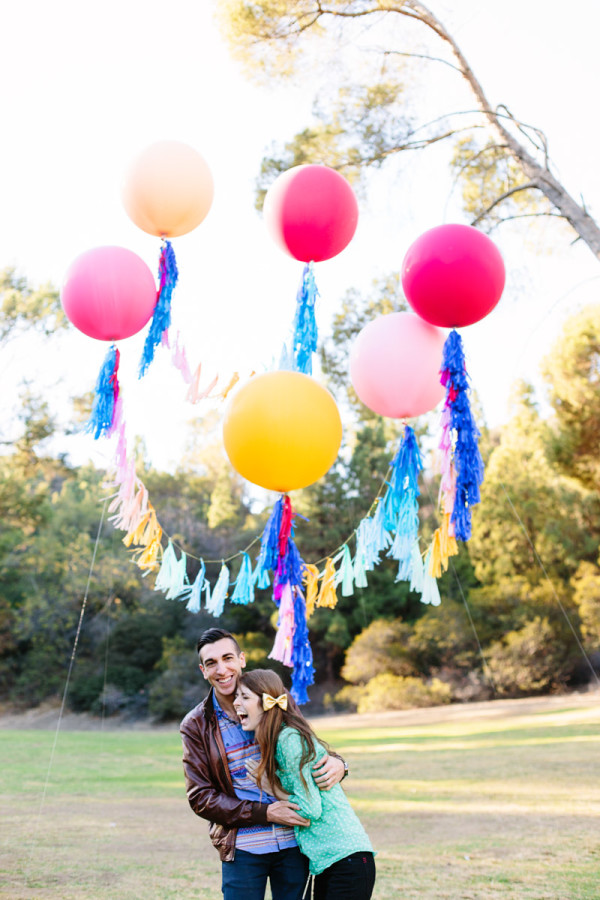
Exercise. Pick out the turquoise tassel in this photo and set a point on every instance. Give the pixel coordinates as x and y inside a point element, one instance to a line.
<point>244,587</point>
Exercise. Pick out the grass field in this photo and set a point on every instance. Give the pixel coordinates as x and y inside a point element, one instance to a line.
<point>498,800</point>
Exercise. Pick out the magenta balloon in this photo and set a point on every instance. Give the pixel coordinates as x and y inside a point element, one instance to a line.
<point>109,293</point>
<point>395,365</point>
<point>453,275</point>
<point>311,212</point>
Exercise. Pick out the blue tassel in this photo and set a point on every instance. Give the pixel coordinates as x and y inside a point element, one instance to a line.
<point>360,557</point>
<point>304,342</point>
<point>467,458</point>
<point>417,572</point>
<point>193,604</point>
<point>379,538</point>
<point>260,577</point>
<point>161,318</point>
<point>105,397</point>
<point>345,573</point>
<point>269,543</point>
<point>216,603</point>
<point>430,593</point>
<point>244,587</point>
<point>303,674</point>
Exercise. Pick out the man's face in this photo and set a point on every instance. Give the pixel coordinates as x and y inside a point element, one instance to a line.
<point>221,666</point>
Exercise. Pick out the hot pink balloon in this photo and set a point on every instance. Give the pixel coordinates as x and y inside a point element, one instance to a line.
<point>395,365</point>
<point>311,212</point>
<point>453,275</point>
<point>109,293</point>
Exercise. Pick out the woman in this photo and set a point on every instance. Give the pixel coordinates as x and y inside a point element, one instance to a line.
<point>339,851</point>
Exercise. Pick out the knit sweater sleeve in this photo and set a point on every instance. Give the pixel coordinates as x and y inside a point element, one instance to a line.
<point>305,793</point>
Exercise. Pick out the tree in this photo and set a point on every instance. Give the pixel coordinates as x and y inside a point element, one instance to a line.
<point>572,371</point>
<point>367,123</point>
<point>531,521</point>
<point>23,307</point>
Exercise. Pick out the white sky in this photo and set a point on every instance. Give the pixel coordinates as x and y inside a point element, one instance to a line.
<point>87,85</point>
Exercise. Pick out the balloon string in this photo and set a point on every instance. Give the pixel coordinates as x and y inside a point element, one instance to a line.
<point>258,537</point>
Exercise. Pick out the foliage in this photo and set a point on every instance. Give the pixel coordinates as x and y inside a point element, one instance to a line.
<point>386,691</point>
<point>379,649</point>
<point>362,48</point>
<point>529,660</point>
<point>586,595</point>
<point>572,371</point>
<point>24,307</point>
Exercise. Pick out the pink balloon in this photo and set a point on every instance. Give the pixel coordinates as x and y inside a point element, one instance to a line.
<point>453,275</point>
<point>109,293</point>
<point>311,212</point>
<point>395,365</point>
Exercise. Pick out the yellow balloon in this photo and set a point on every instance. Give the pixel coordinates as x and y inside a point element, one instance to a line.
<point>168,190</point>
<point>282,431</point>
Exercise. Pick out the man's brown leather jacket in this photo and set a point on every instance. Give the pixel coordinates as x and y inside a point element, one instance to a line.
<point>208,783</point>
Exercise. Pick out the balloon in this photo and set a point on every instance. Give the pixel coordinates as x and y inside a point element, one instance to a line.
<point>168,190</point>
<point>282,430</point>
<point>109,293</point>
<point>453,275</point>
<point>395,363</point>
<point>311,212</point>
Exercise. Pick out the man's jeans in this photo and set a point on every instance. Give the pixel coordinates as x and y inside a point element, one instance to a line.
<point>246,877</point>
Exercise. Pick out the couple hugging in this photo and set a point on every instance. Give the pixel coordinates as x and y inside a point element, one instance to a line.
<point>269,788</point>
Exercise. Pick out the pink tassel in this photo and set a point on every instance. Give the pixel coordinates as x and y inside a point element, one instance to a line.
<point>179,360</point>
<point>192,394</point>
<point>282,648</point>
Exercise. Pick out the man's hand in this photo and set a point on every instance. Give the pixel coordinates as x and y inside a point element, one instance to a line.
<point>284,813</point>
<point>327,772</point>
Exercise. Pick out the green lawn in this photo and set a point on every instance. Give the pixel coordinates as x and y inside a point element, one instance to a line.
<point>458,805</point>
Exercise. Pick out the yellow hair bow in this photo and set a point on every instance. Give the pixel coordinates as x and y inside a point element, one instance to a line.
<point>269,702</point>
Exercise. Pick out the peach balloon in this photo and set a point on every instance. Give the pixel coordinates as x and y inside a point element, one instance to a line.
<point>395,365</point>
<point>168,190</point>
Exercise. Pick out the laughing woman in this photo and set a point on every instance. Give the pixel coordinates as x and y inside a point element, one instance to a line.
<point>336,844</point>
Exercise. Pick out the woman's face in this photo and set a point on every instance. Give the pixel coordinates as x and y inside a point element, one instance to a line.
<point>248,706</point>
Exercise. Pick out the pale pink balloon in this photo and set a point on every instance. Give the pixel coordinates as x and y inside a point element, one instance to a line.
<point>395,365</point>
<point>109,293</point>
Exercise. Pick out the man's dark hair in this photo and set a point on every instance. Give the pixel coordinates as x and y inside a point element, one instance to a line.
<point>212,635</point>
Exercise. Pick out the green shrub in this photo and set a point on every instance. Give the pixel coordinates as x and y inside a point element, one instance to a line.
<point>395,692</point>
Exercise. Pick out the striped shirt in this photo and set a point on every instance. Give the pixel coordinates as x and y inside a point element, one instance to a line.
<point>241,747</point>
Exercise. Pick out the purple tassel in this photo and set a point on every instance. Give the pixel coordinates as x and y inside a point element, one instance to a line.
<point>467,458</point>
<point>106,396</point>
<point>161,318</point>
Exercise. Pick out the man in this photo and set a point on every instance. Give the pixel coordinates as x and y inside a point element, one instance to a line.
<point>253,831</point>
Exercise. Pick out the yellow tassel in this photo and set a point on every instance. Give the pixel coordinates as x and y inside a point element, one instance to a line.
<point>449,547</point>
<point>311,580</point>
<point>435,556</point>
<point>148,557</point>
<point>327,595</point>
<point>232,382</point>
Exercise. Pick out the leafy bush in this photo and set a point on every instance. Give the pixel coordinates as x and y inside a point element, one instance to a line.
<point>529,660</point>
<point>396,692</point>
<point>379,649</point>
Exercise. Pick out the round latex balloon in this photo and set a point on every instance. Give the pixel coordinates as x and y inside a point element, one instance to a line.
<point>311,212</point>
<point>282,431</point>
<point>395,365</point>
<point>168,190</point>
<point>109,293</point>
<point>453,275</point>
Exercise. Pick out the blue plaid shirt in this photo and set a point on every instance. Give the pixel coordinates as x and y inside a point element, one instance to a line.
<point>240,747</point>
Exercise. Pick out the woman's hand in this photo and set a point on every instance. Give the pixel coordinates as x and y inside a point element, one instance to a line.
<point>328,771</point>
<point>264,784</point>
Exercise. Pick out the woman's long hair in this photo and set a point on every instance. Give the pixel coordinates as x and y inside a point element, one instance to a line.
<point>265,681</point>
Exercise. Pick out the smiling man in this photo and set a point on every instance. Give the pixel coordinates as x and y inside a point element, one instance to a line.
<point>252,830</point>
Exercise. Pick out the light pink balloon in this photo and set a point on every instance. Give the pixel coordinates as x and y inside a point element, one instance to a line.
<point>109,293</point>
<point>395,365</point>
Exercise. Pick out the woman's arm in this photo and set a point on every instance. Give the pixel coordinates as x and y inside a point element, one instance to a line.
<point>289,753</point>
